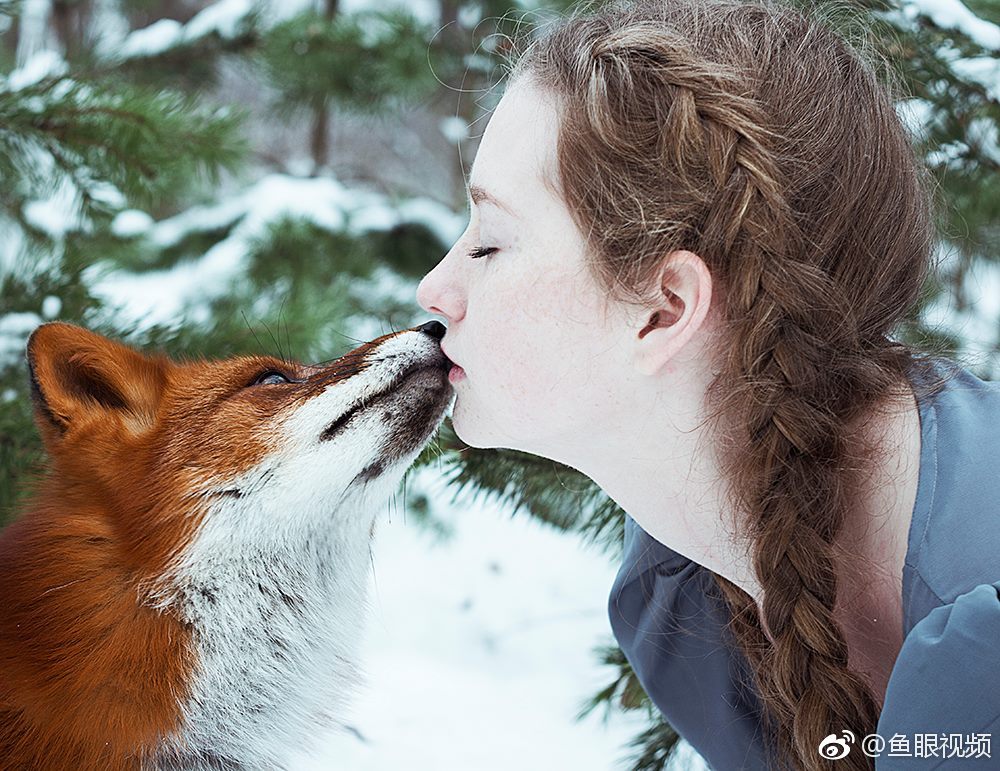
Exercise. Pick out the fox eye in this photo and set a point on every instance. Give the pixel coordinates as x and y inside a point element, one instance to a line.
<point>271,377</point>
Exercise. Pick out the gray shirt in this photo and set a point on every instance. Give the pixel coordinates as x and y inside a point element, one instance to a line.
<point>944,691</point>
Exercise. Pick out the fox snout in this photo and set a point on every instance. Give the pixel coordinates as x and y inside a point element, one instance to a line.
<point>369,413</point>
<point>407,393</point>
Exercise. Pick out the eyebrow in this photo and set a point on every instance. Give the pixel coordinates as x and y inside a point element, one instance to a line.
<point>480,195</point>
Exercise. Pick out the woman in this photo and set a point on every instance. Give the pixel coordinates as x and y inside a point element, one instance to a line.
<point>694,226</point>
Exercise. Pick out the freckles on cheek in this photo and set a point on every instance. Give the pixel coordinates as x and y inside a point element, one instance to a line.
<point>504,368</point>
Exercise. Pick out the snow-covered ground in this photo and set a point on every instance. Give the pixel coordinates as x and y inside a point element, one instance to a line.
<point>479,648</point>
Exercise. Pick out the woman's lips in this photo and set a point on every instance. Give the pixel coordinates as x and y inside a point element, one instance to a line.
<point>456,373</point>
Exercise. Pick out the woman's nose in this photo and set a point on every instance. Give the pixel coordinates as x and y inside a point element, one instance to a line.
<point>435,294</point>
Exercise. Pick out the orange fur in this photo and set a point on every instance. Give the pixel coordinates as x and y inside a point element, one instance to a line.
<point>90,676</point>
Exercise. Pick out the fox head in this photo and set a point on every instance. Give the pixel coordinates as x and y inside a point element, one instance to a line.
<point>245,450</point>
<point>188,583</point>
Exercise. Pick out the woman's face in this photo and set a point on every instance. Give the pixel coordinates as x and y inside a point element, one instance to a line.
<point>543,358</point>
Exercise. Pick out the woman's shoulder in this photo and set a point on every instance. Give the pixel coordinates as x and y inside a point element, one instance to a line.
<point>956,527</point>
<point>946,679</point>
<point>946,683</point>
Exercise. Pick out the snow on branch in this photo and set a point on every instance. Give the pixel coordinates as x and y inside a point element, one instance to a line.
<point>152,297</point>
<point>228,19</point>
<point>953,14</point>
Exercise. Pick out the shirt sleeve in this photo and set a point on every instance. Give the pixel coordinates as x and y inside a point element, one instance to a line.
<point>944,691</point>
<point>671,627</point>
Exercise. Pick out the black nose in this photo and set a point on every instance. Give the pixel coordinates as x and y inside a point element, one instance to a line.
<point>433,328</point>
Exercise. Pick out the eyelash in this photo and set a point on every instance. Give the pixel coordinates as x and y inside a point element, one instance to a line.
<point>482,251</point>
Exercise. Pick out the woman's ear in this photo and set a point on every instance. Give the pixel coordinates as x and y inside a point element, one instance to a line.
<point>683,296</point>
<point>78,376</point>
<point>664,317</point>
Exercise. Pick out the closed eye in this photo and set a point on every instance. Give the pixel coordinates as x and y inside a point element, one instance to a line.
<point>482,251</point>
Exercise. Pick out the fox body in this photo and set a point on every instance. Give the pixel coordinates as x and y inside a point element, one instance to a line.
<point>186,589</point>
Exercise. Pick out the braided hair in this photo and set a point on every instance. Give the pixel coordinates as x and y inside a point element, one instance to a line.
<point>755,135</point>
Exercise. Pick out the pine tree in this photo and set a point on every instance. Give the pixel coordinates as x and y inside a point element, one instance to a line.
<point>127,162</point>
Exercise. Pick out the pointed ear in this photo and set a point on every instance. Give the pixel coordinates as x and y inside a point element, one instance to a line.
<point>78,375</point>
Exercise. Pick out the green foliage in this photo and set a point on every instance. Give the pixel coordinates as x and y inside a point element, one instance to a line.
<point>21,456</point>
<point>24,292</point>
<point>656,746</point>
<point>146,144</point>
<point>413,248</point>
<point>623,692</point>
<point>192,64</point>
<point>309,256</point>
<point>362,61</point>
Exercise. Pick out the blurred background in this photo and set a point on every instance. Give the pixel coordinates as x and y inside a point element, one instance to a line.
<point>212,178</point>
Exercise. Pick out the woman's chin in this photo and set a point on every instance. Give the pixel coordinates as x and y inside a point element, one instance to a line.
<point>472,429</point>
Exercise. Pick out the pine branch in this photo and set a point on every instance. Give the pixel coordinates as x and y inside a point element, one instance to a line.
<point>362,61</point>
<point>655,746</point>
<point>549,491</point>
<point>146,144</point>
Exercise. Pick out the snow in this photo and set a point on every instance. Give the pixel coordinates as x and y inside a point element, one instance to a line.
<point>34,31</point>
<point>58,214</point>
<point>984,70</point>
<point>14,331</point>
<point>41,65</point>
<point>130,223</point>
<point>953,14</point>
<point>51,306</point>
<point>469,16</point>
<point>478,649</point>
<point>226,18</point>
<point>425,11</point>
<point>229,18</point>
<point>108,27</point>
<point>152,40</point>
<point>106,193</point>
<point>983,132</point>
<point>916,114</point>
<point>454,128</point>
<point>160,296</point>
<point>975,326</point>
<point>950,155</point>
<point>374,29</point>
<point>11,244</point>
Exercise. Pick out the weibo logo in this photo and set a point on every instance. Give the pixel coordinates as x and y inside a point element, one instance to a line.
<point>835,747</point>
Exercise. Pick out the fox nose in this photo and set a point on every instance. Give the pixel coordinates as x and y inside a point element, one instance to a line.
<point>433,328</point>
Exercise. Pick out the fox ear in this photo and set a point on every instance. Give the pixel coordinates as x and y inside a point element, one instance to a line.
<point>78,375</point>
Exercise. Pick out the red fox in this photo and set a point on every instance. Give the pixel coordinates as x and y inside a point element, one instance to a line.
<point>186,588</point>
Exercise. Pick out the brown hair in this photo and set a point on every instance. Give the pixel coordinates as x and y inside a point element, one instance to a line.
<point>755,135</point>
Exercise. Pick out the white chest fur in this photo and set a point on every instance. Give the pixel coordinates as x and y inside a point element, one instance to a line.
<point>275,635</point>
